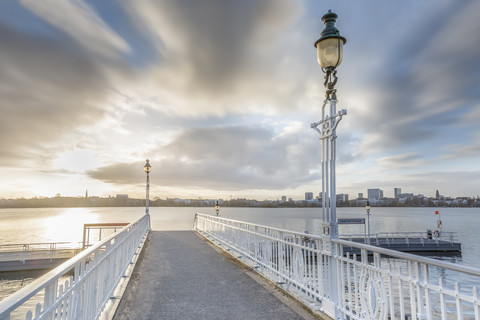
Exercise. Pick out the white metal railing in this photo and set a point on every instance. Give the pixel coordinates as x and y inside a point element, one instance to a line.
<point>30,251</point>
<point>392,236</point>
<point>375,284</point>
<point>82,286</point>
<point>39,246</point>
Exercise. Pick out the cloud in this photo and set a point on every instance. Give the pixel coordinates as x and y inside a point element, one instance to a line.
<point>81,22</point>
<point>220,57</point>
<point>407,160</point>
<point>234,158</point>
<point>431,80</point>
<point>47,89</point>
<point>463,151</point>
<point>428,182</point>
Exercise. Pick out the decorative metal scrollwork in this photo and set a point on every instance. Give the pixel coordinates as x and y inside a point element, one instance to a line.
<point>298,263</point>
<point>372,295</point>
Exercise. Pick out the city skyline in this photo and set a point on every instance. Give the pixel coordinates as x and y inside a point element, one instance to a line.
<point>309,195</point>
<point>220,97</point>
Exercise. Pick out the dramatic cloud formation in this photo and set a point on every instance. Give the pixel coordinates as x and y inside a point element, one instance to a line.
<point>46,89</point>
<point>251,158</point>
<point>219,95</point>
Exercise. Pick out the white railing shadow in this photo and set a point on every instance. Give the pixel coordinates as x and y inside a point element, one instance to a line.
<point>374,284</point>
<point>82,287</point>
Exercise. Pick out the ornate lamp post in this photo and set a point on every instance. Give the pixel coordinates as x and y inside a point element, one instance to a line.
<point>147,168</point>
<point>330,55</point>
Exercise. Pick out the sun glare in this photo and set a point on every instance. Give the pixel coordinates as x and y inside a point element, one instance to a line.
<point>78,160</point>
<point>68,225</point>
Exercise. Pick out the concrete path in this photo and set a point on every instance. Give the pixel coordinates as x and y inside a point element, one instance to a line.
<point>179,275</point>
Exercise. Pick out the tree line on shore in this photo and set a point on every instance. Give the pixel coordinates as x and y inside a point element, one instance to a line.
<point>69,202</point>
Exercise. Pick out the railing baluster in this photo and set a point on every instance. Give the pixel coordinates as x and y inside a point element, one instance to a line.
<point>443,307</point>
<point>476,303</point>
<point>356,286</point>
<point>413,302</point>
<point>428,306</point>
<point>38,310</point>
<point>401,298</point>
<point>458,302</point>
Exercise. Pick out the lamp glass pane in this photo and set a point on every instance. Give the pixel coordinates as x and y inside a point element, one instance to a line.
<point>328,53</point>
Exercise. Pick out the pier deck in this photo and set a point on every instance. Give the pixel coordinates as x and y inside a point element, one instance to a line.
<point>179,275</point>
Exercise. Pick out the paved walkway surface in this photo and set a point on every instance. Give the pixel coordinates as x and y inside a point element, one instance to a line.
<point>179,275</point>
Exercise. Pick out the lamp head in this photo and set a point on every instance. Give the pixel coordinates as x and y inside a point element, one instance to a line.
<point>330,45</point>
<point>147,166</point>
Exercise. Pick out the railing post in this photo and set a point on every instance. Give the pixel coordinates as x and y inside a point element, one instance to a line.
<point>49,298</point>
<point>476,307</point>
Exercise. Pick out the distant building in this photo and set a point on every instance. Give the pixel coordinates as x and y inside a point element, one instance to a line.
<point>360,195</point>
<point>396,192</point>
<point>122,196</point>
<point>284,199</point>
<point>308,196</point>
<point>342,197</point>
<point>375,194</point>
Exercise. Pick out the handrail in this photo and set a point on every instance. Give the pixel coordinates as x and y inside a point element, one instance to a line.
<point>113,254</point>
<point>412,257</point>
<point>377,283</point>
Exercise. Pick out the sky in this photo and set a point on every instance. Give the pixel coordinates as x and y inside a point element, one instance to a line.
<point>220,95</point>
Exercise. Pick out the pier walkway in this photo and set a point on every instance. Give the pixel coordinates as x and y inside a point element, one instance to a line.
<point>179,275</point>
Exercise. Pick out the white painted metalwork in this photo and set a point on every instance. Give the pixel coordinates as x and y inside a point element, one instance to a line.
<point>375,284</point>
<point>147,168</point>
<point>328,127</point>
<point>82,287</point>
<point>391,237</point>
<point>40,250</point>
<point>32,256</point>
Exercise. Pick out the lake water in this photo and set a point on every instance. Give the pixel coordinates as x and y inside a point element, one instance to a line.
<point>66,225</point>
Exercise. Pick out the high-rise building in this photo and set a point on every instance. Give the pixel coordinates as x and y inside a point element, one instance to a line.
<point>308,196</point>
<point>342,197</point>
<point>284,199</point>
<point>396,192</point>
<point>375,194</point>
<point>360,195</point>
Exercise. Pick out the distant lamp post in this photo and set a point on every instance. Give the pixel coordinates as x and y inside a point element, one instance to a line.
<point>330,55</point>
<point>367,208</point>
<point>147,168</point>
<point>217,208</point>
